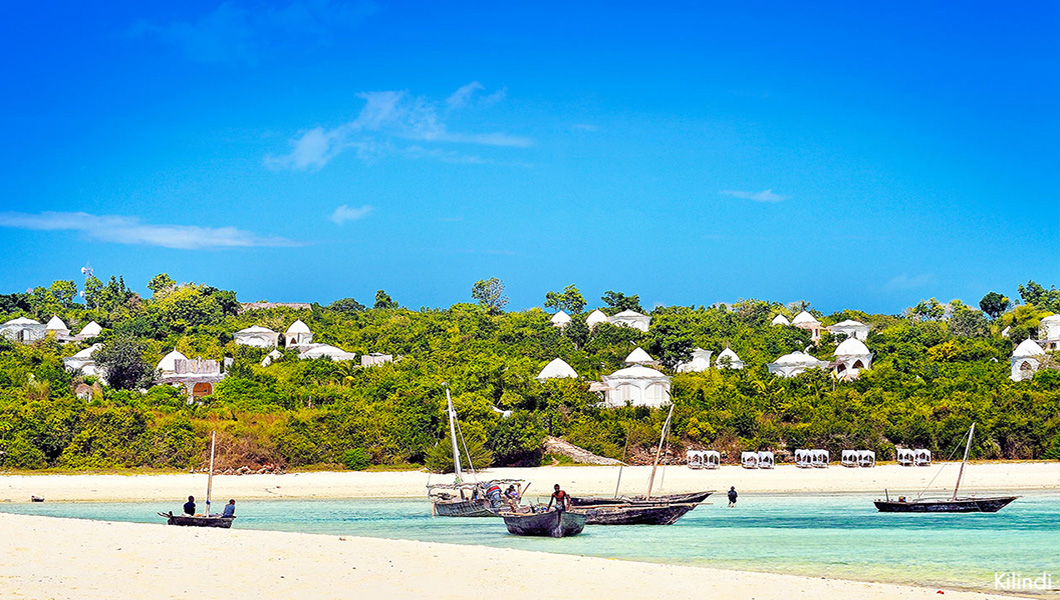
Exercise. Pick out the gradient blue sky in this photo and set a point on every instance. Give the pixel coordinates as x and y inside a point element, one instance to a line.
<point>856,155</point>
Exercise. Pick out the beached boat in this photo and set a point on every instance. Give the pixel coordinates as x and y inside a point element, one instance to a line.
<point>953,504</point>
<point>555,523</point>
<point>471,499</point>
<point>204,520</point>
<point>636,514</point>
<point>690,498</point>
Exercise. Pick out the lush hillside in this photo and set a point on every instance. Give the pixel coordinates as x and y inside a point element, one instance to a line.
<point>937,369</point>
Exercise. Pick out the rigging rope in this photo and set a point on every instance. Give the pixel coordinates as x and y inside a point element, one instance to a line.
<point>466,453</point>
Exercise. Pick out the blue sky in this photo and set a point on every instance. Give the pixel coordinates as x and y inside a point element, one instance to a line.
<point>859,155</point>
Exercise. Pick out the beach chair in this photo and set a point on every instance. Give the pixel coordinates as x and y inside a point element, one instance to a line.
<point>905,457</point>
<point>820,459</point>
<point>765,460</point>
<point>749,460</point>
<point>922,457</point>
<point>866,458</point>
<point>849,458</point>
<point>695,459</point>
<point>711,459</point>
<point>803,458</point>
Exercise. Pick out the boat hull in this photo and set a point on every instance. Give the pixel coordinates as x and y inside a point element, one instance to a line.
<point>462,508</point>
<point>960,505</point>
<point>691,498</point>
<point>662,514</point>
<point>186,521</point>
<point>548,524</point>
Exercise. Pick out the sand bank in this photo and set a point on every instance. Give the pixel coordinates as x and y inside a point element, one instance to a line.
<point>1015,477</point>
<point>44,557</point>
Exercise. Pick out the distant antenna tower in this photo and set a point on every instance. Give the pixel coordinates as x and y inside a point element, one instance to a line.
<point>87,272</point>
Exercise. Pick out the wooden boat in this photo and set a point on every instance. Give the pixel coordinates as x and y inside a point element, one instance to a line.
<point>206,520</point>
<point>189,521</point>
<point>690,498</point>
<point>953,504</point>
<point>636,514</point>
<point>36,499</point>
<point>451,499</point>
<point>556,523</point>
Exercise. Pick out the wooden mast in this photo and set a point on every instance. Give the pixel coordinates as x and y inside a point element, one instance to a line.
<point>209,479</point>
<point>452,436</point>
<point>658,452</point>
<point>960,473</point>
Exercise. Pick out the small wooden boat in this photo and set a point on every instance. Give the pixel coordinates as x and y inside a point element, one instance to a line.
<point>953,504</point>
<point>690,498</point>
<point>190,521</point>
<point>636,514</point>
<point>36,499</point>
<point>556,523</point>
<point>206,520</point>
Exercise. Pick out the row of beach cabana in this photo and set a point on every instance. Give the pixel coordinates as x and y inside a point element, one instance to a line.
<point>808,458</point>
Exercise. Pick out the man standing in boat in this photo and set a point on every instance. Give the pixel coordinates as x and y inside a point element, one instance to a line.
<point>561,498</point>
<point>189,506</point>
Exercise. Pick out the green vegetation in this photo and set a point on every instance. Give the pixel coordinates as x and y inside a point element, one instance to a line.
<point>937,368</point>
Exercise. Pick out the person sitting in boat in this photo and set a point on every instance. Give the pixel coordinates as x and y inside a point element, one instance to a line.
<point>512,496</point>
<point>493,492</point>
<point>561,498</point>
<point>189,506</point>
<point>901,498</point>
<point>230,510</point>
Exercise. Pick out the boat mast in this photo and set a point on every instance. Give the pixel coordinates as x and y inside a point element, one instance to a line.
<point>452,436</point>
<point>209,479</point>
<point>967,447</point>
<point>658,452</point>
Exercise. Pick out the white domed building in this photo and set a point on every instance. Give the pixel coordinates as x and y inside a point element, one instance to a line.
<point>639,357</point>
<point>557,369</point>
<point>196,376</point>
<point>561,319</point>
<point>850,329</point>
<point>257,336</point>
<point>1026,360</point>
<point>90,331</point>
<point>636,386</point>
<point>780,320</point>
<point>851,357</point>
<point>298,334</point>
<point>83,361</point>
<point>728,360</point>
<point>1049,332</point>
<point>808,322</point>
<point>794,364</point>
<point>55,325</point>
<point>23,330</point>
<point>631,318</point>
<point>595,318</point>
<point>699,362</point>
<point>326,351</point>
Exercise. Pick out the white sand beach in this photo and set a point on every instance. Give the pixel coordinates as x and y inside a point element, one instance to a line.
<point>1008,476</point>
<point>45,557</point>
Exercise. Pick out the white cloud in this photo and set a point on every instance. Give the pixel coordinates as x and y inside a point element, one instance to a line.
<point>129,230</point>
<point>386,121</point>
<point>905,282</point>
<point>344,213</point>
<point>763,196</point>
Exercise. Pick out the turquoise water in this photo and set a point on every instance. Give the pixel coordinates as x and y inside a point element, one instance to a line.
<point>835,536</point>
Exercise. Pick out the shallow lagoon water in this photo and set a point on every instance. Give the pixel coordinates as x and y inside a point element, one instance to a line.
<point>834,536</point>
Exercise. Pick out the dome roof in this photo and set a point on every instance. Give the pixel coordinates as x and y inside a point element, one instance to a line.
<point>628,314</point>
<point>639,356</point>
<point>851,347</point>
<point>169,361</point>
<point>798,358</point>
<point>298,327</point>
<point>91,330</point>
<point>805,318</point>
<point>560,318</point>
<point>22,321</point>
<point>780,320</point>
<point>87,352</point>
<point>56,324</point>
<point>557,369</point>
<point>1028,348</point>
<point>636,372</point>
<point>849,323</point>
<point>322,350</point>
<point>1051,319</point>
<point>729,354</point>
<point>596,317</point>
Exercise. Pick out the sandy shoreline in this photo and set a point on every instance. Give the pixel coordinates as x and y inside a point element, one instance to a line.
<point>1015,477</point>
<point>45,557</point>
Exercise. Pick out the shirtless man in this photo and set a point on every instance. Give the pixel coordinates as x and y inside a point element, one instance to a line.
<point>561,498</point>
